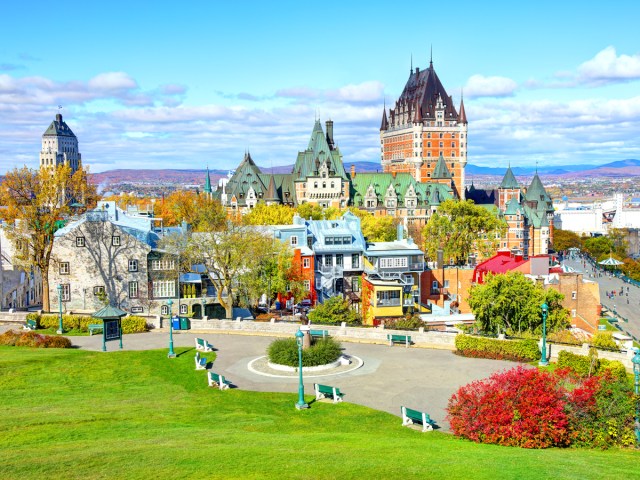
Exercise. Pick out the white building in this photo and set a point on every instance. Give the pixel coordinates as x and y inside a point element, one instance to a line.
<point>60,146</point>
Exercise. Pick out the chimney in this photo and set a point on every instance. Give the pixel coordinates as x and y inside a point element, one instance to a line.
<point>399,232</point>
<point>353,171</point>
<point>329,124</point>
<point>59,117</point>
<point>393,174</point>
<point>417,70</point>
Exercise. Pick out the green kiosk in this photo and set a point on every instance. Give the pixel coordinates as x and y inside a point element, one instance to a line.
<point>112,324</point>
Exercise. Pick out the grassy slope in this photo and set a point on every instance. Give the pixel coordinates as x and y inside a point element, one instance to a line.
<point>154,417</point>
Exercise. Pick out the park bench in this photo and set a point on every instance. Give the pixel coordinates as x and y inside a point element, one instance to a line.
<point>31,325</point>
<point>93,327</point>
<point>325,391</point>
<point>410,416</point>
<point>319,333</point>
<point>201,362</point>
<point>216,380</point>
<point>406,339</point>
<point>203,345</point>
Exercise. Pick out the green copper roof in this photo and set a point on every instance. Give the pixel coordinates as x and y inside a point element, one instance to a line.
<point>509,180</point>
<point>207,183</point>
<point>109,312</point>
<point>403,186</point>
<point>441,170</point>
<point>318,152</point>
<point>537,194</point>
<point>513,207</point>
<point>59,128</point>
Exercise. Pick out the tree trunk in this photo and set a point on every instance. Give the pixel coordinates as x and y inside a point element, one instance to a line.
<point>45,293</point>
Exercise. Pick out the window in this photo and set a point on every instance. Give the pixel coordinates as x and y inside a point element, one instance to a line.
<point>162,264</point>
<point>294,240</point>
<point>428,144</point>
<point>306,262</point>
<point>441,144</point>
<point>446,284</point>
<point>574,295</point>
<point>355,260</point>
<point>307,285</point>
<point>328,240</point>
<point>115,240</point>
<point>66,292</point>
<point>324,184</point>
<point>318,283</point>
<point>164,289</point>
<point>339,259</point>
<point>328,260</point>
<point>184,308</point>
<point>315,184</point>
<point>309,241</point>
<point>388,297</point>
<point>133,289</point>
<point>133,265</point>
<point>64,268</point>
<point>79,241</point>
<point>98,290</point>
<point>333,185</point>
<point>397,262</point>
<point>355,284</point>
<point>164,310</point>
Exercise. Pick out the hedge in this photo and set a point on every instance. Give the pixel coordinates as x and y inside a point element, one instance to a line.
<point>130,324</point>
<point>321,352</point>
<point>480,347</point>
<point>33,339</point>
<point>583,366</point>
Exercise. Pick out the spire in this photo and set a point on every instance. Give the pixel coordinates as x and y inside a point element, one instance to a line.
<point>462,116</point>
<point>384,125</point>
<point>509,180</point>
<point>411,67</point>
<point>207,182</point>
<point>431,57</point>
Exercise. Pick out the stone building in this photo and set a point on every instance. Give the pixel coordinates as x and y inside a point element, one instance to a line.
<point>60,146</point>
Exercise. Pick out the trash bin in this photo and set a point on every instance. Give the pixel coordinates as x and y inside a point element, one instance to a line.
<point>185,323</point>
<point>175,323</point>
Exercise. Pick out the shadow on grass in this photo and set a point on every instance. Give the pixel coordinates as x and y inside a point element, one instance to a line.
<point>187,351</point>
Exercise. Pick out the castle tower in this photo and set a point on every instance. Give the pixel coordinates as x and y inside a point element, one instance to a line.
<point>60,146</point>
<point>422,127</point>
<point>508,189</point>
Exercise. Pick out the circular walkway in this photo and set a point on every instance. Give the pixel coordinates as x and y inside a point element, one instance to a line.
<point>390,377</point>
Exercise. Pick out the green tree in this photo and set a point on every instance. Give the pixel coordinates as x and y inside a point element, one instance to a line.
<point>376,229</point>
<point>334,311</point>
<point>460,228</point>
<point>38,203</point>
<point>511,302</point>
<point>566,239</point>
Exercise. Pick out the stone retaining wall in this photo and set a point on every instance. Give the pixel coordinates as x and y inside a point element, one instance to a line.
<point>420,338</point>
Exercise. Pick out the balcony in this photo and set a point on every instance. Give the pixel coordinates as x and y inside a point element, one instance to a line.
<point>394,302</point>
<point>335,270</point>
<point>417,267</point>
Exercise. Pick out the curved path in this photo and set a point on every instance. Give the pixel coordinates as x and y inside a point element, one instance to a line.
<point>418,378</point>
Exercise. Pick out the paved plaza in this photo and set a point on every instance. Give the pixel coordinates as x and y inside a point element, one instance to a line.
<point>626,305</point>
<point>418,378</point>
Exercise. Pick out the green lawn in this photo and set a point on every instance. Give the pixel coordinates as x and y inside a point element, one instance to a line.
<point>78,414</point>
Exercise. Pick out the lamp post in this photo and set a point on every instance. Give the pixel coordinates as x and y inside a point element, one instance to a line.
<point>60,330</point>
<point>171,354</point>
<point>204,304</point>
<point>543,359</point>
<point>301,404</point>
<point>636,373</point>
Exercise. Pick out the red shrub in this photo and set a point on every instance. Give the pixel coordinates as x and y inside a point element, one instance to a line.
<point>521,407</point>
<point>10,337</point>
<point>30,339</point>
<point>56,342</point>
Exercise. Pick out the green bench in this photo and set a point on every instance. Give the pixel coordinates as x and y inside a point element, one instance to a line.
<point>94,327</point>
<point>325,391</point>
<point>216,380</point>
<point>406,339</point>
<point>203,345</point>
<point>319,333</point>
<point>410,417</point>
<point>201,362</point>
<point>31,325</point>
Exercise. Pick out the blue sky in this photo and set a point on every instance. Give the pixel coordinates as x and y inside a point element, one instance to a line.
<point>190,84</point>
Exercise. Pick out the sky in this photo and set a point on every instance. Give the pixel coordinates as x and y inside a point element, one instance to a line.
<point>187,85</point>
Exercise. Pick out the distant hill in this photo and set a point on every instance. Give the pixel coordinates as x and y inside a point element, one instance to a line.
<point>620,168</point>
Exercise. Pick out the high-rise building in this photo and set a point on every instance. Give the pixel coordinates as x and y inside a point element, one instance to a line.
<point>60,146</point>
<point>422,128</point>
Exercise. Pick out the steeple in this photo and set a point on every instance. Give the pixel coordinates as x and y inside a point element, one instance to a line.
<point>462,116</point>
<point>207,182</point>
<point>384,125</point>
<point>431,58</point>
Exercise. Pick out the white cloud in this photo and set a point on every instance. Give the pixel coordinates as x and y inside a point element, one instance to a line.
<point>111,81</point>
<point>481,86</point>
<point>607,67</point>
<point>364,92</point>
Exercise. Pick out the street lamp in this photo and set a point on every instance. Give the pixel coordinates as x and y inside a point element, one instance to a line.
<point>543,359</point>
<point>60,329</point>
<point>204,304</point>
<point>636,373</point>
<point>301,404</point>
<point>171,354</point>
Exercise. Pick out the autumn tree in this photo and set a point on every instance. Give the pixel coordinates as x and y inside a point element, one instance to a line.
<point>229,255</point>
<point>376,229</point>
<point>566,239</point>
<point>38,203</point>
<point>263,214</point>
<point>511,302</point>
<point>460,228</point>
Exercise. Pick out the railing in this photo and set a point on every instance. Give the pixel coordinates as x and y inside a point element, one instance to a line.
<point>334,269</point>
<point>388,303</point>
<point>419,267</point>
